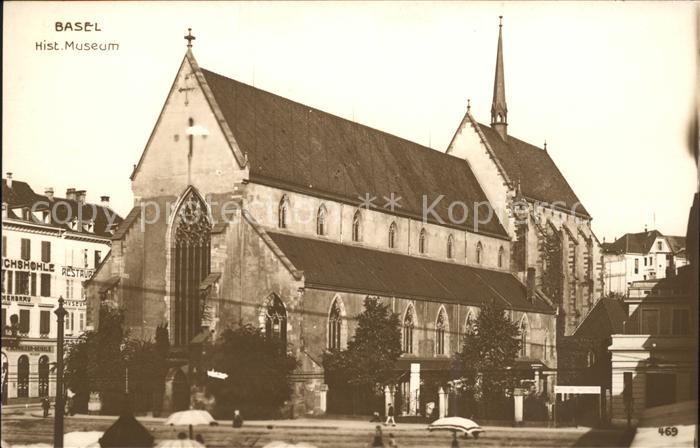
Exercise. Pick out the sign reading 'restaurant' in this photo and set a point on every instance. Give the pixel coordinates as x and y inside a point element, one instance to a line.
<point>40,266</point>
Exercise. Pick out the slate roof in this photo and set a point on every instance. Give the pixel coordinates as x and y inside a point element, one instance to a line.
<point>539,177</point>
<point>605,318</point>
<point>21,195</point>
<point>635,243</point>
<point>343,267</point>
<point>293,146</point>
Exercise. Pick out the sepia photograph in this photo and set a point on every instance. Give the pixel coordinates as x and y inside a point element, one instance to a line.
<point>348,224</point>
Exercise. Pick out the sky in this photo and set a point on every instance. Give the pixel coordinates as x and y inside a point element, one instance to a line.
<point>609,86</point>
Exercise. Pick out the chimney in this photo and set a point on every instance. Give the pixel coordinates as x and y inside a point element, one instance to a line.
<point>48,192</point>
<point>81,196</point>
<point>105,201</point>
<point>9,179</point>
<point>70,194</point>
<point>530,283</point>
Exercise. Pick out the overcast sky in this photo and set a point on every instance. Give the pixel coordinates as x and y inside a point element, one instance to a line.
<point>610,86</point>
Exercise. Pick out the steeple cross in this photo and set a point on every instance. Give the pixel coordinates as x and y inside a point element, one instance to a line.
<point>189,38</point>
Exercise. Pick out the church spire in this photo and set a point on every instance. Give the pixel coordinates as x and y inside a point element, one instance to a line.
<point>499,110</point>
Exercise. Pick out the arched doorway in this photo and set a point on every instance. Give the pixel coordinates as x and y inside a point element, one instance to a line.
<point>23,377</point>
<point>44,376</point>
<point>181,391</point>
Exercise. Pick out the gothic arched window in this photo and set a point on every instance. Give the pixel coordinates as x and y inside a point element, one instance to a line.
<point>450,246</point>
<point>23,376</point>
<point>356,226</point>
<point>276,319</point>
<point>190,246</point>
<point>321,220</point>
<point>408,324</point>
<point>440,327</point>
<point>422,241</point>
<point>44,376</point>
<point>545,346</point>
<point>524,334</point>
<point>282,211</point>
<point>469,324</point>
<point>335,321</point>
<point>392,235</point>
<point>479,252</point>
<point>500,257</point>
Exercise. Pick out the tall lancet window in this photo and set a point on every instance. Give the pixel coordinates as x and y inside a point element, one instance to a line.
<point>392,235</point>
<point>321,220</point>
<point>334,326</point>
<point>422,241</point>
<point>524,334</point>
<point>276,319</point>
<point>282,212</point>
<point>479,252</point>
<point>450,246</point>
<point>408,324</point>
<point>440,326</point>
<point>356,226</point>
<point>191,242</point>
<point>501,254</point>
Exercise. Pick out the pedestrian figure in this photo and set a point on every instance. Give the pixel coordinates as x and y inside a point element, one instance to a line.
<point>237,419</point>
<point>455,442</point>
<point>45,405</point>
<point>378,440</point>
<point>392,441</point>
<point>375,418</point>
<point>390,416</point>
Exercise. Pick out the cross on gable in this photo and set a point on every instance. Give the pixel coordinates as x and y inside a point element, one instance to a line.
<point>189,38</point>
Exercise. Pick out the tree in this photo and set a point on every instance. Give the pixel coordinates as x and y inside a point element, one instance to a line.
<point>368,363</point>
<point>98,360</point>
<point>94,363</point>
<point>487,351</point>
<point>258,369</point>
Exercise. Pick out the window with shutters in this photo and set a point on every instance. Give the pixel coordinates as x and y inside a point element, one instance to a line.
<point>45,285</point>
<point>44,323</point>
<point>32,284</point>
<point>24,321</point>
<point>46,251</point>
<point>26,249</point>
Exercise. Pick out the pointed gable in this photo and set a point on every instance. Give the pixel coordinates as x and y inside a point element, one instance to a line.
<point>539,177</point>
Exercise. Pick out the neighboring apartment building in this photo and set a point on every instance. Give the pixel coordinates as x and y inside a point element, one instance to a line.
<point>46,254</point>
<point>641,256</point>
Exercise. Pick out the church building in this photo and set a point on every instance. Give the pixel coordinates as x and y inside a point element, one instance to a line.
<point>253,208</point>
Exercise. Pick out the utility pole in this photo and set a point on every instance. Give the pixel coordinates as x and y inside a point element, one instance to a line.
<point>60,405</point>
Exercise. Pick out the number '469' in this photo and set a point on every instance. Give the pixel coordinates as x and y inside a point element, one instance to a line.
<point>668,431</point>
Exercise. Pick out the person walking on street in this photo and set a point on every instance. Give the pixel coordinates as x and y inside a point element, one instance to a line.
<point>390,416</point>
<point>45,405</point>
<point>237,419</point>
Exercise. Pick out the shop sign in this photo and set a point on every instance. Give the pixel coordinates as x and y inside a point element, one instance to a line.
<point>27,265</point>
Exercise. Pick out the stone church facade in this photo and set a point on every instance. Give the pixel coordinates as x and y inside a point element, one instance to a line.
<point>252,208</point>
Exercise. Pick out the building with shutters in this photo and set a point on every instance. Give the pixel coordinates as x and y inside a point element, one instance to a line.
<point>50,245</point>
